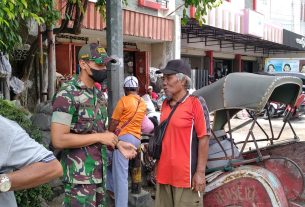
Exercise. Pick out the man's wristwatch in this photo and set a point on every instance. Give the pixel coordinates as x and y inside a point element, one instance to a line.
<point>5,183</point>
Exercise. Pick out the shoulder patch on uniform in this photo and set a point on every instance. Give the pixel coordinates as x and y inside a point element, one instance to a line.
<point>101,50</point>
<point>84,56</point>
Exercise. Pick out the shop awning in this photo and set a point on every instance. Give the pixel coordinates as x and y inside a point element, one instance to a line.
<point>194,33</point>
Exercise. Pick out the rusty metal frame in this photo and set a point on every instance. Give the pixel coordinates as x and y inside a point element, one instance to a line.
<point>234,162</point>
<point>250,133</point>
<point>218,141</point>
<point>253,122</point>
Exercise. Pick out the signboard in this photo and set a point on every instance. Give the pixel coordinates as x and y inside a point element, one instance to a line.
<point>276,65</point>
<point>294,40</point>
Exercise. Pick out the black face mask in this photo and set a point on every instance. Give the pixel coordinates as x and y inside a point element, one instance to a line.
<point>98,75</point>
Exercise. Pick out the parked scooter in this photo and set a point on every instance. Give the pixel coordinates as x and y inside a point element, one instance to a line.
<point>274,109</point>
<point>297,110</point>
<point>301,107</point>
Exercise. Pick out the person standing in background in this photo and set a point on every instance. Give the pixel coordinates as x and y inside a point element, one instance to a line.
<point>126,121</point>
<point>153,95</point>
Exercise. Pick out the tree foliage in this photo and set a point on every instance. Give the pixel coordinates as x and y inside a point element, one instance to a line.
<point>202,7</point>
<point>13,13</point>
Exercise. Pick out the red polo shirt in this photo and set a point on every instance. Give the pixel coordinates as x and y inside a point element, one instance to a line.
<point>179,146</point>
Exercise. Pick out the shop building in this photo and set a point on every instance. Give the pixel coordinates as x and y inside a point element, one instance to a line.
<point>293,61</point>
<point>235,38</point>
<point>292,40</point>
<point>149,35</point>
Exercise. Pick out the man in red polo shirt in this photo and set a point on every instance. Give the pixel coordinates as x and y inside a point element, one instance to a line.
<point>181,169</point>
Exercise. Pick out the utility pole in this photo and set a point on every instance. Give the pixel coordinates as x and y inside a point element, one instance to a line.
<point>51,62</point>
<point>43,69</point>
<point>114,47</point>
<point>115,85</point>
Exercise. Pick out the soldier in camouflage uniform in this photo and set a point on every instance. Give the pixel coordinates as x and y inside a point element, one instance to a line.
<point>78,127</point>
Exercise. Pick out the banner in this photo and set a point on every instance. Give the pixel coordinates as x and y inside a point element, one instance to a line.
<point>275,65</point>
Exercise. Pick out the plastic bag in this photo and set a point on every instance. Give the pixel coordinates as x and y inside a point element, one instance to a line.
<point>5,66</point>
<point>147,126</point>
<point>17,85</point>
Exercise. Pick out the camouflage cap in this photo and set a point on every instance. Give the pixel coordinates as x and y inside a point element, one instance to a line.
<point>95,53</point>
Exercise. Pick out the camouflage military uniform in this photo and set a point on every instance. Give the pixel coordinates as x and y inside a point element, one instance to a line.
<point>84,110</point>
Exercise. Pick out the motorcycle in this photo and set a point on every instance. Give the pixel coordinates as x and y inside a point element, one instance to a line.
<point>298,109</point>
<point>274,109</point>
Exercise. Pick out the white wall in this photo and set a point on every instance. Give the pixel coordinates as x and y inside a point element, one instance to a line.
<point>296,15</point>
<point>285,13</point>
<point>157,59</point>
<point>237,4</point>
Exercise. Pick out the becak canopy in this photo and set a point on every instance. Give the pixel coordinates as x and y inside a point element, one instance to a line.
<point>239,91</point>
